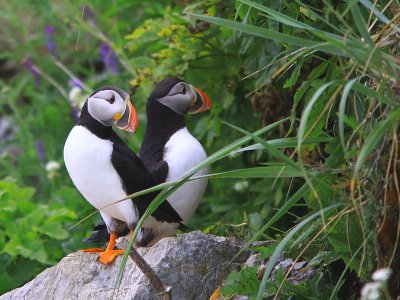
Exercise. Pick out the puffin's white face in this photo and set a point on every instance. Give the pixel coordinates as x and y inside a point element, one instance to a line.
<point>109,108</point>
<point>183,98</point>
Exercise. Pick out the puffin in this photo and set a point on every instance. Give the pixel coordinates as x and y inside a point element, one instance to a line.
<point>104,170</point>
<point>168,140</point>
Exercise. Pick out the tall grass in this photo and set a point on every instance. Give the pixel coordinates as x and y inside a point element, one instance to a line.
<point>356,102</point>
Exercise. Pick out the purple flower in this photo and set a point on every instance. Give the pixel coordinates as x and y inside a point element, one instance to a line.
<point>40,149</point>
<point>51,46</point>
<point>88,14</point>
<point>75,113</point>
<point>109,58</point>
<point>75,82</point>
<point>32,69</point>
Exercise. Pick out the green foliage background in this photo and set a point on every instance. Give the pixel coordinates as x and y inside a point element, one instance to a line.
<point>321,180</point>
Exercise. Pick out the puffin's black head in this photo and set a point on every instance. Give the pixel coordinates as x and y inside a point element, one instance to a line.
<point>111,106</point>
<point>180,97</point>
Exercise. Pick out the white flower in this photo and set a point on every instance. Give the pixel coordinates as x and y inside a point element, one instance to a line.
<point>371,291</point>
<point>52,166</point>
<point>241,186</point>
<point>75,94</point>
<point>76,97</point>
<point>382,274</point>
<point>378,289</point>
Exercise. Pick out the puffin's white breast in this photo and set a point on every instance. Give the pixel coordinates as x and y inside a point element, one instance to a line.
<point>182,152</point>
<point>88,161</point>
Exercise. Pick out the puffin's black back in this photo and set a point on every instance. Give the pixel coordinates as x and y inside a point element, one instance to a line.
<point>135,177</point>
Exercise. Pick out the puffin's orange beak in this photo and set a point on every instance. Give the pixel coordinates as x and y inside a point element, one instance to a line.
<point>201,103</point>
<point>128,121</point>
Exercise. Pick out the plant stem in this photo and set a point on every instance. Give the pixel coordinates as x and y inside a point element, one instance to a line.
<point>164,292</point>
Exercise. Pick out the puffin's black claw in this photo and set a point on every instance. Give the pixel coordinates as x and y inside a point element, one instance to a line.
<point>100,234</point>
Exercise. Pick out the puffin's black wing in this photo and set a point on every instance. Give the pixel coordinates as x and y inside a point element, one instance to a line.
<point>135,177</point>
<point>159,171</point>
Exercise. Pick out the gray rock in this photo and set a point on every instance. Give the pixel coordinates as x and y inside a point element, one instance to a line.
<point>239,297</point>
<point>193,264</point>
<point>298,274</point>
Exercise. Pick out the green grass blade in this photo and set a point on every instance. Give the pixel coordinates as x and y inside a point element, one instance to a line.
<point>337,48</point>
<point>377,13</point>
<point>302,133</point>
<point>267,147</point>
<point>360,22</point>
<point>284,19</point>
<point>258,172</point>
<point>375,136</point>
<point>306,114</point>
<point>341,113</point>
<point>285,143</point>
<point>257,31</point>
<point>279,248</point>
<point>362,89</point>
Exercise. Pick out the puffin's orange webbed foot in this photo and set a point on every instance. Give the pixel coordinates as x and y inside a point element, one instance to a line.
<point>107,257</point>
<point>92,250</point>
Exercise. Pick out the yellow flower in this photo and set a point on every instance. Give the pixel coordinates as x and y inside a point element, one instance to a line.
<point>137,33</point>
<point>164,32</point>
<point>134,82</point>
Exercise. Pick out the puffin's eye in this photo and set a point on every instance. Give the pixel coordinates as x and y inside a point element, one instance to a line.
<point>183,90</point>
<point>112,99</point>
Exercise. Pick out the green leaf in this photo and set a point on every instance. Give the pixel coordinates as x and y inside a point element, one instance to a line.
<point>7,283</point>
<point>295,74</point>
<point>353,257</point>
<point>244,282</point>
<point>341,113</point>
<point>142,62</point>
<point>54,230</point>
<point>16,193</point>
<point>35,251</point>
